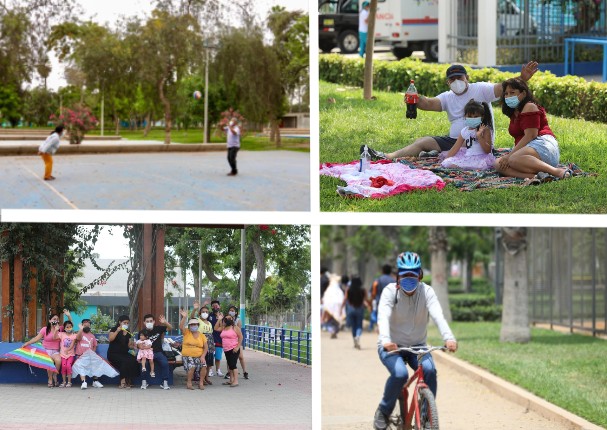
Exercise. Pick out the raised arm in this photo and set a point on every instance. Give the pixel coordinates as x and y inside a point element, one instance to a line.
<point>184,315</point>
<point>527,72</point>
<point>80,332</point>
<point>162,320</point>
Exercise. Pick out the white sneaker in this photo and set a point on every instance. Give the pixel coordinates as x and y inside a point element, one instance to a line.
<point>97,384</point>
<point>84,386</point>
<point>211,373</point>
<point>165,386</point>
<point>144,384</point>
<point>219,373</point>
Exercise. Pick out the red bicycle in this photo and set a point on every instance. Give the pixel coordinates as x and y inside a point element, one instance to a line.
<point>421,413</point>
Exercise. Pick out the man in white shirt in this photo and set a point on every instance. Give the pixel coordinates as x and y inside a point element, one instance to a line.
<point>363,27</point>
<point>402,318</point>
<point>453,102</point>
<point>233,132</point>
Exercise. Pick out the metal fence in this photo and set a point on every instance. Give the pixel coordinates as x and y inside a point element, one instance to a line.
<point>530,29</point>
<point>567,275</point>
<point>295,345</point>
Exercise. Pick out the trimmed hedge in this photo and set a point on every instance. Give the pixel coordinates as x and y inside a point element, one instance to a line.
<point>473,307</point>
<point>567,96</point>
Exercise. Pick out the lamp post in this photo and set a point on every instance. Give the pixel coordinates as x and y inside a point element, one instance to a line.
<point>206,91</point>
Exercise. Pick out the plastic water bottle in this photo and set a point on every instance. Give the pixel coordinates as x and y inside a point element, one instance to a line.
<point>365,160</point>
<point>411,98</point>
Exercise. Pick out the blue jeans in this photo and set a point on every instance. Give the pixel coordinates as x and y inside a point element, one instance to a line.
<point>397,366</point>
<point>162,362</point>
<point>372,320</point>
<point>355,320</point>
<point>362,42</point>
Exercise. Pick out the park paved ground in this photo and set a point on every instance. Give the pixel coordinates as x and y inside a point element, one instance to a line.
<point>353,382</point>
<point>267,180</point>
<point>278,395</point>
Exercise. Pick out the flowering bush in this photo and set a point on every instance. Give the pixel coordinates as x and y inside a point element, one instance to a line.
<point>228,115</point>
<point>76,121</point>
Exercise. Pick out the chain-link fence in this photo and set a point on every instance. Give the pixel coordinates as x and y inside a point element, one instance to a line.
<point>530,29</point>
<point>567,274</point>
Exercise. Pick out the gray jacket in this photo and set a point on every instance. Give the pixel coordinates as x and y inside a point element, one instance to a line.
<point>51,144</point>
<point>405,321</point>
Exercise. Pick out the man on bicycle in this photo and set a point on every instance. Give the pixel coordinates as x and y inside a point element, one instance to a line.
<point>402,317</point>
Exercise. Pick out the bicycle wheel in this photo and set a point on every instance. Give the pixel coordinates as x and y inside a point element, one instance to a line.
<point>428,411</point>
<point>397,419</point>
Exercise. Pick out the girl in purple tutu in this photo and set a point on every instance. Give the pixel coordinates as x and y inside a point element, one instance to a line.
<point>473,148</point>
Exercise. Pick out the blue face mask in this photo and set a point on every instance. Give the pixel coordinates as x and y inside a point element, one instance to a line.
<point>473,122</point>
<point>512,102</point>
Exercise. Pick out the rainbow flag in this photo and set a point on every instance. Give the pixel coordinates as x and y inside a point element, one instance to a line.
<point>33,355</point>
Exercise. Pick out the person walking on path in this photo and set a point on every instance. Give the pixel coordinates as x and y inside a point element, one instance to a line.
<point>156,335</point>
<point>404,308</point>
<point>118,352</point>
<point>356,297</point>
<point>378,286</point>
<point>233,131</point>
<point>48,149</point>
<point>363,27</point>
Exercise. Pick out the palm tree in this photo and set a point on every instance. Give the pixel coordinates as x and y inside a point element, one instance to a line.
<point>515,314</point>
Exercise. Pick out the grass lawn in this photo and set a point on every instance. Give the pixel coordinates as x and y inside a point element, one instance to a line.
<point>567,370</point>
<point>352,121</point>
<point>250,141</point>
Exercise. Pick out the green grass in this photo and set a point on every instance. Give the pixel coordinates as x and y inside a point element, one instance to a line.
<point>567,370</point>
<point>352,121</point>
<point>250,142</point>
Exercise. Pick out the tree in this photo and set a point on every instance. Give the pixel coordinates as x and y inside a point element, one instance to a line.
<point>291,32</point>
<point>515,315</point>
<point>58,253</point>
<point>166,47</point>
<point>438,244</point>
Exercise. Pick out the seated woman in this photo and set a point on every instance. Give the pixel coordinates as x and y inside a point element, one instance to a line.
<point>536,151</point>
<point>118,352</point>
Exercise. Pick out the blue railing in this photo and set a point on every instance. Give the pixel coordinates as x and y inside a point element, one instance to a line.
<point>295,345</point>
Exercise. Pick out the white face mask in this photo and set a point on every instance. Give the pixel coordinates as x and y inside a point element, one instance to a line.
<point>149,326</point>
<point>125,326</point>
<point>204,315</point>
<point>457,86</point>
<point>232,313</point>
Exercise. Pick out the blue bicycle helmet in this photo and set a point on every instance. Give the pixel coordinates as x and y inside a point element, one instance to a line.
<point>408,263</point>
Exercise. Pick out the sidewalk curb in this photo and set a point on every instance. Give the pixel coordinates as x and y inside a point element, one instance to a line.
<point>113,148</point>
<point>516,394</point>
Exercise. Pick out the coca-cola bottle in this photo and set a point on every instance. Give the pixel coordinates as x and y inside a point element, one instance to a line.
<point>411,98</point>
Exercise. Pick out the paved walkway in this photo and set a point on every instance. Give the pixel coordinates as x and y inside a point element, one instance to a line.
<point>267,180</point>
<point>278,395</point>
<point>353,382</point>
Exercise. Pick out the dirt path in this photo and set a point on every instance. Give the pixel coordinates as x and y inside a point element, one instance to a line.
<point>353,381</point>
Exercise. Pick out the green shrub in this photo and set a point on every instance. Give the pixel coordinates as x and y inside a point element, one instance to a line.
<point>474,307</point>
<point>567,96</point>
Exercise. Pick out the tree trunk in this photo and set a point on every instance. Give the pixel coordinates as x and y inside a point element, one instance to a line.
<point>351,259</point>
<point>437,245</point>
<point>515,315</point>
<point>167,112</point>
<point>467,267</point>
<point>260,261</point>
<point>148,124</point>
<point>368,83</point>
<point>276,132</point>
<point>339,250</point>
<point>196,285</point>
<point>116,123</point>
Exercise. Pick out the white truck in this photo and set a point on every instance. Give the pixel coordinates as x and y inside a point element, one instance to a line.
<point>405,25</point>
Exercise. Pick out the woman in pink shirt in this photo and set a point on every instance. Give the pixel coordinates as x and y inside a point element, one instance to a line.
<point>67,346</point>
<point>231,338</point>
<point>50,344</point>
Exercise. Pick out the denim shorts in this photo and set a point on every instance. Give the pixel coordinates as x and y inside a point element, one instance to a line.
<point>547,148</point>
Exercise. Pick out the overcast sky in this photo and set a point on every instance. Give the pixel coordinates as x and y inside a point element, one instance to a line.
<point>108,11</point>
<point>112,245</point>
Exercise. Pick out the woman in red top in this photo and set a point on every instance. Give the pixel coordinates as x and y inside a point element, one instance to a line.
<point>536,151</point>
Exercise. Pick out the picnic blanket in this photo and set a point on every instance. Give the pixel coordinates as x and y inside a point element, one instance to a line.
<point>469,180</point>
<point>383,178</point>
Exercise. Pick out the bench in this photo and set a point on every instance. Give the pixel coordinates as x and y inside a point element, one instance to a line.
<point>14,372</point>
<point>570,43</point>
